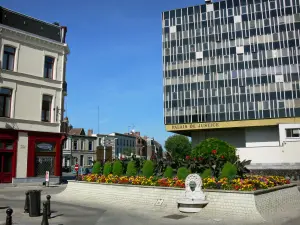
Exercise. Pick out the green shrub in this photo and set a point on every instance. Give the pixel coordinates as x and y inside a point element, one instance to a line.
<point>182,173</point>
<point>229,171</point>
<point>117,168</point>
<point>148,168</point>
<point>206,173</point>
<point>168,172</point>
<point>215,147</point>
<point>96,168</point>
<point>107,169</point>
<point>131,169</point>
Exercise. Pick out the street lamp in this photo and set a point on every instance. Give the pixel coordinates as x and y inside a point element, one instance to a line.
<point>115,144</point>
<point>71,155</point>
<point>104,148</point>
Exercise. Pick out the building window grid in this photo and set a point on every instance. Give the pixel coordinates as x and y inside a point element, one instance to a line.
<point>256,75</point>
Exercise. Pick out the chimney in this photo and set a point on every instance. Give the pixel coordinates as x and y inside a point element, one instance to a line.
<point>90,132</point>
<point>63,33</point>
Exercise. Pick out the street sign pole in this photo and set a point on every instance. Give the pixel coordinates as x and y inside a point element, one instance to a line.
<point>76,169</point>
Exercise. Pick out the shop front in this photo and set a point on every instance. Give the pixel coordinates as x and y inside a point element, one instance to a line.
<point>44,154</point>
<point>8,146</point>
<point>25,156</point>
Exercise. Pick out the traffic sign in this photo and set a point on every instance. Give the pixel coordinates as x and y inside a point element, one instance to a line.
<point>76,167</point>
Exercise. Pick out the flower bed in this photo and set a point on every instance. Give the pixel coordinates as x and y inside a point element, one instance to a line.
<point>250,183</point>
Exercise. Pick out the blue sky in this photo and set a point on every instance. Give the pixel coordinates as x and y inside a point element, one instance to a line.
<point>115,61</point>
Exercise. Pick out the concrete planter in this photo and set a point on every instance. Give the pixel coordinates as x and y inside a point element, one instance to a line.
<point>253,205</point>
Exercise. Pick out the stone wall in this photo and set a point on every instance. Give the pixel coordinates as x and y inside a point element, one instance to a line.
<point>222,204</point>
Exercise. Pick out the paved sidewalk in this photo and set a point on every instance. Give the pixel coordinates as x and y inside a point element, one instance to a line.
<point>61,214</point>
<point>18,192</point>
<point>68,212</point>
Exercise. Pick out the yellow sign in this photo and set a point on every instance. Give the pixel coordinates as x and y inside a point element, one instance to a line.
<point>231,124</point>
<point>193,126</point>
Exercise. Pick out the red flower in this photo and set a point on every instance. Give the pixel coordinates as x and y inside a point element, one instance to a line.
<point>187,157</point>
<point>222,157</point>
<point>200,158</point>
<point>214,152</point>
<point>195,159</point>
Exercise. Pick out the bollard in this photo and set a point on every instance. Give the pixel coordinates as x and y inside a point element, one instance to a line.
<point>48,206</point>
<point>45,217</point>
<point>9,212</point>
<point>26,206</point>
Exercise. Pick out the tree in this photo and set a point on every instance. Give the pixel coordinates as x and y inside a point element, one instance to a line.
<point>178,146</point>
<point>214,146</point>
<point>128,151</point>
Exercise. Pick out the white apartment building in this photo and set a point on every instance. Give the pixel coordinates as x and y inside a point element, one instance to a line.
<point>121,142</point>
<point>79,148</point>
<point>33,58</point>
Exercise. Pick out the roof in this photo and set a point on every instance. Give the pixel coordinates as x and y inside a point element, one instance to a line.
<point>31,25</point>
<point>124,135</point>
<point>157,144</point>
<point>76,131</point>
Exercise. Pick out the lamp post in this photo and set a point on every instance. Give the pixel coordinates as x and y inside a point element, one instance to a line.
<point>104,148</point>
<point>71,155</point>
<point>115,139</point>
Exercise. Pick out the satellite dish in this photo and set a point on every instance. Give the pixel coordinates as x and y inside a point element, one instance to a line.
<point>132,131</point>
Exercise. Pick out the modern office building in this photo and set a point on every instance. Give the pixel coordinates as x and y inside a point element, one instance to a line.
<point>33,58</point>
<point>231,71</point>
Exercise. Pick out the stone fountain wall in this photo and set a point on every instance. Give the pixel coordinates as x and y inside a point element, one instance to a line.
<point>253,206</point>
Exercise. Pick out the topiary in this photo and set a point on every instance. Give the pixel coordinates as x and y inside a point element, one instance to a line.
<point>96,168</point>
<point>117,168</point>
<point>182,173</point>
<point>229,171</point>
<point>107,169</point>
<point>148,168</point>
<point>131,169</point>
<point>206,173</point>
<point>168,172</point>
<point>215,147</point>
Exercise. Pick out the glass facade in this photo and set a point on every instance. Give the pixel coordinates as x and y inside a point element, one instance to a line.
<point>231,60</point>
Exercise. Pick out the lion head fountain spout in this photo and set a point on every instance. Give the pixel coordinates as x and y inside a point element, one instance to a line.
<point>194,199</point>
